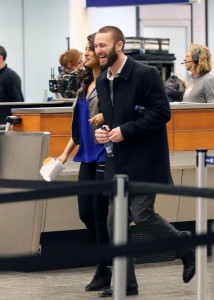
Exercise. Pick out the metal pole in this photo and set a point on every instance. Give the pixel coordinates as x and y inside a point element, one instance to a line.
<point>201,226</point>
<point>137,11</point>
<point>212,254</point>
<point>120,236</point>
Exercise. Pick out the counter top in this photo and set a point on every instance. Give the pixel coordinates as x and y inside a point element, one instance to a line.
<point>173,105</point>
<point>42,110</point>
<point>36,103</point>
<point>190,105</point>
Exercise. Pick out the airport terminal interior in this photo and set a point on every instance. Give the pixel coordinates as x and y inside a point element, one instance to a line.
<point>44,246</point>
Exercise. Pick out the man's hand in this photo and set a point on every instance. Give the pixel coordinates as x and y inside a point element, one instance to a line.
<point>115,135</point>
<point>104,136</point>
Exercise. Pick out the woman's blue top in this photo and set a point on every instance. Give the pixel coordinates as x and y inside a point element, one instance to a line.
<point>88,151</point>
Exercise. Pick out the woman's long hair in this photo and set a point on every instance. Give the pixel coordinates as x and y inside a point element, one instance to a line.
<point>85,76</point>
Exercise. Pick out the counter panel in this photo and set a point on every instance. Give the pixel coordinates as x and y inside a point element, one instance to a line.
<point>170,140</point>
<point>57,123</point>
<point>192,140</point>
<point>57,145</point>
<point>190,129</point>
<point>193,119</point>
<point>30,122</point>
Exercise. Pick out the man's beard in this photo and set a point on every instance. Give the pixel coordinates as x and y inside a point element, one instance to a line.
<point>112,57</point>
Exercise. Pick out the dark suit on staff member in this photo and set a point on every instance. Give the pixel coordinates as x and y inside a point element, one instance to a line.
<point>10,82</point>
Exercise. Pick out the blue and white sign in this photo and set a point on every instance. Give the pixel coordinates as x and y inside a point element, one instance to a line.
<point>102,3</point>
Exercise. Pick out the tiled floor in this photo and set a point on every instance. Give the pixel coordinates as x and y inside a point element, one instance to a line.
<point>156,281</point>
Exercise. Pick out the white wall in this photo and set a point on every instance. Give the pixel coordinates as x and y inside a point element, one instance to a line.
<point>91,19</point>
<point>78,24</point>
<point>45,31</point>
<point>157,22</point>
<point>198,23</point>
<point>34,35</point>
<point>122,17</point>
<point>11,33</point>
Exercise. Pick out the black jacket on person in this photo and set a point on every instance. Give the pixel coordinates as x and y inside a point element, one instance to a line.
<point>10,86</point>
<point>144,153</point>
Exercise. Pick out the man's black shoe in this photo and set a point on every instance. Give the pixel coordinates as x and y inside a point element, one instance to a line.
<point>101,279</point>
<point>130,291</point>
<point>189,266</point>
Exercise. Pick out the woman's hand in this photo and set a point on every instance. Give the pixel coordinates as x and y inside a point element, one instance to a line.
<point>97,120</point>
<point>68,149</point>
<point>63,158</point>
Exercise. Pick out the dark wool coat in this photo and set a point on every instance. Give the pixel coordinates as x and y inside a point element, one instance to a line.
<point>10,86</point>
<point>144,153</point>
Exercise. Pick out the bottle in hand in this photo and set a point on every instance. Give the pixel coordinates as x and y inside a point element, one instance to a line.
<point>108,146</point>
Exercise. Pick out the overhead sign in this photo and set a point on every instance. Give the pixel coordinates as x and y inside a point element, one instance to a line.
<point>101,3</point>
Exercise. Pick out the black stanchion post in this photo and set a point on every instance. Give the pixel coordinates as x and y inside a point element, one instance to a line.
<point>201,225</point>
<point>120,236</point>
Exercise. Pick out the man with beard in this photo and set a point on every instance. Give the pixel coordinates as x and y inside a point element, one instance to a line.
<point>139,139</point>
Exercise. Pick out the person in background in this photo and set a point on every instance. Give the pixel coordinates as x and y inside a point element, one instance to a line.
<point>175,87</point>
<point>10,82</point>
<point>198,62</point>
<point>139,137</point>
<point>71,60</point>
<point>93,209</point>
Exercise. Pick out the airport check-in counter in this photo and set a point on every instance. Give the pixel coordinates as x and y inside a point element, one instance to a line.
<point>62,213</point>
<point>21,223</point>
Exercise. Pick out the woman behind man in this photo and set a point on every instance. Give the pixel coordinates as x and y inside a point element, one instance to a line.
<point>201,86</point>
<point>71,60</point>
<point>93,209</point>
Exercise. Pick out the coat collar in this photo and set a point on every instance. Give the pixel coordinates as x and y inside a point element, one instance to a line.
<point>125,73</point>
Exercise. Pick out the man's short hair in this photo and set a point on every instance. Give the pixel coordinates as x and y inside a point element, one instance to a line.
<point>3,52</point>
<point>116,32</point>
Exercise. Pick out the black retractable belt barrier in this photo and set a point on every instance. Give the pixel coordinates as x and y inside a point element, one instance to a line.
<point>36,190</point>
